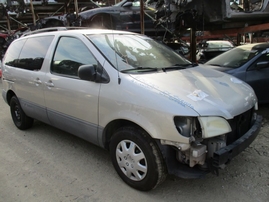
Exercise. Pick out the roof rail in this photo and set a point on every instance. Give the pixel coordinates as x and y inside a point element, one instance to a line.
<point>52,29</point>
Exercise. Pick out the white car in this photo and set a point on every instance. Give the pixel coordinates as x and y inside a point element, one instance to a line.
<point>156,112</point>
<point>212,48</point>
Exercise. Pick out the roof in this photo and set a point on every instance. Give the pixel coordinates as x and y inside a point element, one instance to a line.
<point>82,30</point>
<point>255,46</point>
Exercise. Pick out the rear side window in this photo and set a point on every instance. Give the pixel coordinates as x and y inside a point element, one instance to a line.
<point>29,53</point>
<point>13,52</point>
<point>34,52</point>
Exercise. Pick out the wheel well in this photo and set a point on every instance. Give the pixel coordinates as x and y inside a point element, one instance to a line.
<point>10,94</point>
<point>115,125</point>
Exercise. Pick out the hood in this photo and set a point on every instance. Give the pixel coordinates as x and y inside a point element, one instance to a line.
<point>208,92</point>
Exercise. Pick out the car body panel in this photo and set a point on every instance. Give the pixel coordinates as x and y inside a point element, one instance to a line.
<point>199,89</point>
<point>259,81</point>
<point>66,106</point>
<point>27,86</point>
<point>178,90</point>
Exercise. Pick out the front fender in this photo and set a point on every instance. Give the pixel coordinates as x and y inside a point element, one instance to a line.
<point>158,125</point>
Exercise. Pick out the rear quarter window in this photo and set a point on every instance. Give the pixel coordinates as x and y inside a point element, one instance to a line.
<point>13,52</point>
<point>28,54</point>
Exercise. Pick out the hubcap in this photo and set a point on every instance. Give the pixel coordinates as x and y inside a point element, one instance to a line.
<point>17,113</point>
<point>131,160</point>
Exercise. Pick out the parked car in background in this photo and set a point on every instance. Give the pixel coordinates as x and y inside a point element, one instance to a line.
<point>182,48</point>
<point>3,37</point>
<point>249,63</point>
<point>7,39</point>
<point>207,50</point>
<point>124,15</point>
<point>155,111</point>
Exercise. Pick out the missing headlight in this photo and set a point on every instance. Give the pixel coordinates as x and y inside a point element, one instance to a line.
<point>188,126</point>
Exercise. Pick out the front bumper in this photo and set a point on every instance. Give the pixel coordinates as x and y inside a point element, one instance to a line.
<point>220,157</point>
<point>225,154</point>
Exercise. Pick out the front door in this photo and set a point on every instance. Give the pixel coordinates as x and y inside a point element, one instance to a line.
<point>72,104</point>
<point>259,78</point>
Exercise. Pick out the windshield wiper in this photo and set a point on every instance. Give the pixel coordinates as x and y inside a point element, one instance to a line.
<point>141,69</point>
<point>215,65</point>
<point>178,66</point>
<point>155,69</point>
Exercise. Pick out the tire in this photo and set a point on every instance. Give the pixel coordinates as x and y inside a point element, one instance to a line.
<point>20,119</point>
<point>137,159</point>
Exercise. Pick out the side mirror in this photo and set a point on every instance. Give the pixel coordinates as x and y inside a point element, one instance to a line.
<point>93,73</point>
<point>263,64</point>
<point>87,72</point>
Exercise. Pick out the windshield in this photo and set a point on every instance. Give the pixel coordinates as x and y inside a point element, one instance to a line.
<point>129,51</point>
<point>234,58</point>
<point>219,45</point>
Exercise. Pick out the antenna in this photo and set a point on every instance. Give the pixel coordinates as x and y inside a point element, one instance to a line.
<point>119,79</point>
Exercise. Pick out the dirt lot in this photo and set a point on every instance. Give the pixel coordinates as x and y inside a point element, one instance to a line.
<point>46,164</point>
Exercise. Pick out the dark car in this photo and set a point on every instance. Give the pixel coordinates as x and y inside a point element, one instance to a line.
<point>249,63</point>
<point>124,15</point>
<point>3,37</point>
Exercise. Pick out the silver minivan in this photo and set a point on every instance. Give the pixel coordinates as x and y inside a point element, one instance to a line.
<point>155,111</point>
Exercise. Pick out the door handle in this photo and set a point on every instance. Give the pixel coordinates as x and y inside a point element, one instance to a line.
<point>49,84</point>
<point>37,81</point>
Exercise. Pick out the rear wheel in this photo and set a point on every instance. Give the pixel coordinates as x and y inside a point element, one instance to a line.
<point>20,119</point>
<point>137,159</point>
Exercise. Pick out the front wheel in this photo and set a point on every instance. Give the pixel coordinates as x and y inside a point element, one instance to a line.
<point>137,159</point>
<point>20,119</point>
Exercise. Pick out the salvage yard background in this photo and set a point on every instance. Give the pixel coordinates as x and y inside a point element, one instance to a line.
<point>46,164</point>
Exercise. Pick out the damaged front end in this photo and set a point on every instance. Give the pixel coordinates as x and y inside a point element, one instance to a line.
<point>214,141</point>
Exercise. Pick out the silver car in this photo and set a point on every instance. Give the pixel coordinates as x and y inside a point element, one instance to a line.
<point>156,112</point>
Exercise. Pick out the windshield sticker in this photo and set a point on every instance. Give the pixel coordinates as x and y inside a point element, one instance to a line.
<point>235,80</point>
<point>197,95</point>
